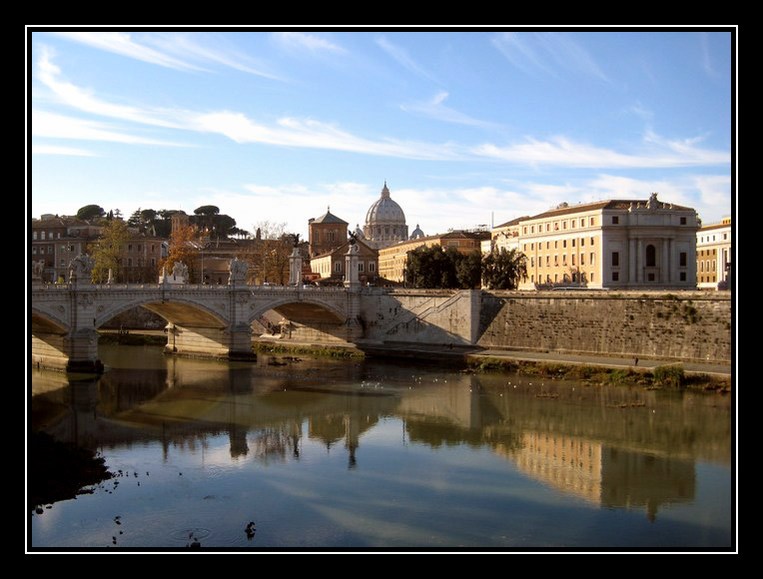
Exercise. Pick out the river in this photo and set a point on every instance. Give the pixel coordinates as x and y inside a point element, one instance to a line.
<point>310,454</point>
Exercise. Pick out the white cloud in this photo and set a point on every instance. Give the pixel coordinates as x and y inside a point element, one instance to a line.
<point>51,125</point>
<point>436,109</point>
<point>304,41</point>
<point>548,52</point>
<point>564,152</point>
<point>402,57</point>
<point>58,150</point>
<point>124,44</point>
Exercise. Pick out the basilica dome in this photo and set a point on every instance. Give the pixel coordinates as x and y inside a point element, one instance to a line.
<point>385,221</point>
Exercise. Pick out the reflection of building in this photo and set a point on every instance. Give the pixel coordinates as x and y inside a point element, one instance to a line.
<point>393,259</point>
<point>607,244</point>
<point>605,475</point>
<point>714,255</point>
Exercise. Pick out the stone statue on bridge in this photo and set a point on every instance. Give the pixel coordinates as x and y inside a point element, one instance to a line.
<point>37,268</point>
<point>80,269</point>
<point>179,272</point>
<point>238,269</point>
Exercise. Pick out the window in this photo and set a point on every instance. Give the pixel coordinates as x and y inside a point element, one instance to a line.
<point>50,249</point>
<point>682,259</point>
<point>532,262</point>
<point>548,227</point>
<point>548,244</point>
<point>63,263</point>
<point>582,259</point>
<point>591,277</point>
<point>573,259</point>
<point>524,230</point>
<point>564,259</point>
<point>615,219</point>
<point>34,235</point>
<point>548,260</point>
<point>651,256</point>
<point>592,257</point>
<point>556,244</point>
<point>361,266</point>
<point>615,276</point>
<point>338,267</point>
<point>683,220</point>
<point>129,247</point>
<point>591,222</point>
<point>564,243</point>
<point>42,235</point>
<point>532,229</point>
<point>682,276</point>
<point>532,246</point>
<point>140,247</point>
<point>592,241</point>
<point>372,267</point>
<point>34,251</point>
<point>564,225</point>
<point>573,243</point>
<point>582,241</point>
<point>615,259</point>
<point>582,222</point>
<point>701,266</point>
<point>153,261</point>
<point>572,222</point>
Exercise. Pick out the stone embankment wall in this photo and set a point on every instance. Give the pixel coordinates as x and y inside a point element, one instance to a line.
<point>688,326</point>
<point>685,326</point>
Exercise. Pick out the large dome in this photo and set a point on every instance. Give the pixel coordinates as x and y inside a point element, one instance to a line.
<point>385,211</point>
<point>385,221</point>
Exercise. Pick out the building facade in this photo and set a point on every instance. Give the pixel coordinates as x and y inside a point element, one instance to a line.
<point>394,258</point>
<point>326,233</point>
<point>625,244</point>
<point>714,255</point>
<point>331,266</point>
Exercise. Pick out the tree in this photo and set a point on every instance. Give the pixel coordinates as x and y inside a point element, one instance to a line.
<point>504,269</point>
<point>107,251</point>
<point>182,248</point>
<point>268,255</point>
<point>434,267</point>
<point>89,212</point>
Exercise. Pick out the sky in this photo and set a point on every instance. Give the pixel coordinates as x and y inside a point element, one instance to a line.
<point>468,127</point>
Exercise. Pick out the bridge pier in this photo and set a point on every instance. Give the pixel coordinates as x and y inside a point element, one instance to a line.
<point>233,343</point>
<point>75,352</point>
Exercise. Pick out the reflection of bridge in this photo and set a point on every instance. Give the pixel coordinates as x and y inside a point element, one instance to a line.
<point>203,319</point>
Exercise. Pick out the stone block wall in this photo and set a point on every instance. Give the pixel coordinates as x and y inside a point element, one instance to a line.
<point>688,326</point>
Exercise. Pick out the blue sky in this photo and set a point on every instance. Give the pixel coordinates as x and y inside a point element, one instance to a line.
<point>466,126</point>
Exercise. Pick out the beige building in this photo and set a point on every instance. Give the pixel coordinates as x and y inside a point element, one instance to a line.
<point>393,259</point>
<point>615,244</point>
<point>714,255</point>
<point>331,265</point>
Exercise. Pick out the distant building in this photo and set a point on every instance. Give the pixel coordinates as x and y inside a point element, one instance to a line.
<point>393,259</point>
<point>331,265</point>
<point>56,241</point>
<point>624,244</point>
<point>714,255</point>
<point>326,233</point>
<point>385,222</point>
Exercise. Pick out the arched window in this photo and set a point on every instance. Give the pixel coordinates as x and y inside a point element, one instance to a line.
<point>651,255</point>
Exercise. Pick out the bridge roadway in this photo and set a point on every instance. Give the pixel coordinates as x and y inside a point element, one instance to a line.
<point>209,320</point>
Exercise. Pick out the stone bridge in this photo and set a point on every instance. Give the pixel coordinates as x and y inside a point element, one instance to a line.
<point>209,320</point>
<point>202,319</point>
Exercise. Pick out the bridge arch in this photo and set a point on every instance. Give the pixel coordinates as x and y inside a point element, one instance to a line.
<point>43,322</point>
<point>180,311</point>
<point>301,310</point>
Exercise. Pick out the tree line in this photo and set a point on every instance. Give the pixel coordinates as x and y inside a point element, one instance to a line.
<point>435,267</point>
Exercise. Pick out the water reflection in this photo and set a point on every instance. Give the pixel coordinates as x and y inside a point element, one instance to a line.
<point>623,448</point>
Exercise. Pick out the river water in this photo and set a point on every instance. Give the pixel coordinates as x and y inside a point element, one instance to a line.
<point>312,454</point>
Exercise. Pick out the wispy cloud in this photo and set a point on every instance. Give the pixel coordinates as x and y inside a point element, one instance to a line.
<point>564,152</point>
<point>124,43</point>
<point>176,51</point>
<point>548,52</point>
<point>55,126</point>
<point>403,58</point>
<point>436,109</point>
<point>58,150</point>
<point>289,132</point>
<point>304,41</point>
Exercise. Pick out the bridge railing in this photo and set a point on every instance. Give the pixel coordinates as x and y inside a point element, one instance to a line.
<point>198,287</point>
